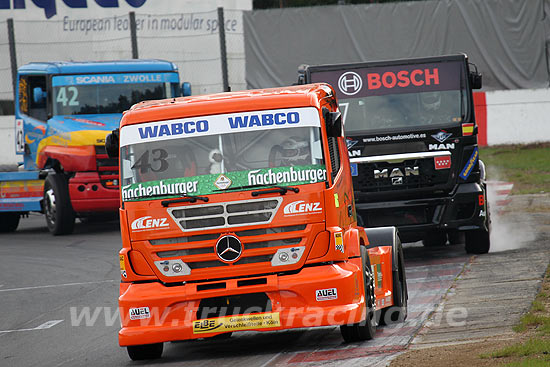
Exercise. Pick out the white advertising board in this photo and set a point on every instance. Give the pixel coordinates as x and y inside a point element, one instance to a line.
<point>184,32</point>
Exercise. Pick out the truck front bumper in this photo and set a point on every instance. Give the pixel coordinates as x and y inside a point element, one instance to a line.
<point>153,313</point>
<point>465,209</point>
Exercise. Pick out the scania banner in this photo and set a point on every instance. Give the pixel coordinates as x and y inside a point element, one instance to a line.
<point>114,79</point>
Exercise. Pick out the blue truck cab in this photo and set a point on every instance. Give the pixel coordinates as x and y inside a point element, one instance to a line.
<point>63,112</point>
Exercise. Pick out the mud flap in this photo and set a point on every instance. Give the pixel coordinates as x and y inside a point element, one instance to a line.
<point>389,236</point>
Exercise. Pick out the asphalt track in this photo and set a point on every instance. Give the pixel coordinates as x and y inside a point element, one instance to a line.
<point>58,302</point>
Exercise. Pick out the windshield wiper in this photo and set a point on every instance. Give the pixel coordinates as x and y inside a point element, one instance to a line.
<point>277,189</point>
<point>186,199</point>
<point>280,189</point>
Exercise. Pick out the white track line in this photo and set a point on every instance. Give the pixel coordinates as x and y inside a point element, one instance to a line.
<point>43,326</point>
<point>55,286</point>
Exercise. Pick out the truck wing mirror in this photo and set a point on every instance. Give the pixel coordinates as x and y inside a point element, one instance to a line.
<point>475,80</point>
<point>333,123</point>
<point>475,77</point>
<point>39,95</point>
<point>186,89</point>
<point>112,144</point>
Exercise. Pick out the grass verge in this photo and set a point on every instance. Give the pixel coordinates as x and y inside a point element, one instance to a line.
<point>527,166</point>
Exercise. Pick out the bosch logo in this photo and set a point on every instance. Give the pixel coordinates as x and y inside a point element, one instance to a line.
<point>229,248</point>
<point>350,83</point>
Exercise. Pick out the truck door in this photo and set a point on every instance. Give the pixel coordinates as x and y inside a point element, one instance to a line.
<point>32,110</point>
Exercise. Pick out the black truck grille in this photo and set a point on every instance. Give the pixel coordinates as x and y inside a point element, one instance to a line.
<point>410,174</point>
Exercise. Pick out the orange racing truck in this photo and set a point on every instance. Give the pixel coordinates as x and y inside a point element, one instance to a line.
<point>237,213</point>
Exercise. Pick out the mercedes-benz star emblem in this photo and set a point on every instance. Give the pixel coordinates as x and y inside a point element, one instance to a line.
<point>229,248</point>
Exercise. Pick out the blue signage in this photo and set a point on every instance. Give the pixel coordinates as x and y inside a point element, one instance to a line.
<point>176,128</point>
<point>265,119</point>
<point>50,7</point>
<point>114,79</point>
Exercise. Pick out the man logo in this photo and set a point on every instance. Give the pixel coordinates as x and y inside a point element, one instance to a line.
<point>350,83</point>
<point>397,180</point>
<point>396,172</point>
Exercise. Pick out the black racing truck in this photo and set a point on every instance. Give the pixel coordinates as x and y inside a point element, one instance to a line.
<point>412,141</point>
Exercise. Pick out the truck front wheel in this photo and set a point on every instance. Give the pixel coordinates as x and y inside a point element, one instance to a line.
<point>147,351</point>
<point>9,222</point>
<point>59,212</point>
<point>366,329</point>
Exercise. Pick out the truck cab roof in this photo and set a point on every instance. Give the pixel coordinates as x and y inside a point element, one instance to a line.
<point>88,67</point>
<point>242,101</point>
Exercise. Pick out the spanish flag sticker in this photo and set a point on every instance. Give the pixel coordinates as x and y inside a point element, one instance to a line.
<point>467,129</point>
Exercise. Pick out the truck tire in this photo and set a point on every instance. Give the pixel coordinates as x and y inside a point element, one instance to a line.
<point>365,329</point>
<point>398,312</point>
<point>60,216</point>
<point>9,222</point>
<point>434,239</point>
<point>147,351</point>
<point>478,242</point>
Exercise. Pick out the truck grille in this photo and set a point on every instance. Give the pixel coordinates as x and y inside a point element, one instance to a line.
<point>225,215</point>
<point>107,168</point>
<point>428,176</point>
<point>259,248</point>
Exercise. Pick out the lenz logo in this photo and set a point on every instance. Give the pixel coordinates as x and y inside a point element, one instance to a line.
<point>149,223</point>
<point>301,207</point>
<point>350,83</point>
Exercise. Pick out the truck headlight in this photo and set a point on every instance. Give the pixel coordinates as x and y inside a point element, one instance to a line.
<point>287,256</point>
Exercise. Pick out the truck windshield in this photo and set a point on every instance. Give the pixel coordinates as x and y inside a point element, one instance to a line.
<point>400,96</point>
<point>109,93</point>
<point>214,157</point>
<point>394,111</point>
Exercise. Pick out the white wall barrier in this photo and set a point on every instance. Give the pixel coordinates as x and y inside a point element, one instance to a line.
<point>520,116</point>
<point>7,140</point>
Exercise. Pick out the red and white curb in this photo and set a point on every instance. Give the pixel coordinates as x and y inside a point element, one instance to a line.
<point>499,193</point>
